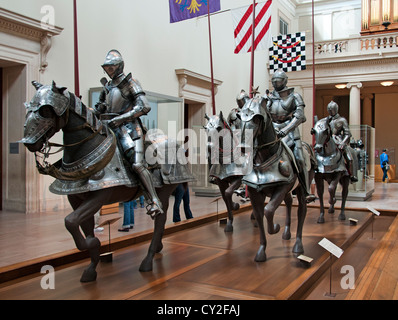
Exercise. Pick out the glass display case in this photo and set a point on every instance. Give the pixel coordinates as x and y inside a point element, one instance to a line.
<point>363,144</point>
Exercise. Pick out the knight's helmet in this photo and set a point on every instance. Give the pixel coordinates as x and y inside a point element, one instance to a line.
<point>114,64</point>
<point>279,80</point>
<point>333,108</point>
<point>242,98</point>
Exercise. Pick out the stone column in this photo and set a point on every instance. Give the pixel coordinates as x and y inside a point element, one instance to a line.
<point>355,102</point>
<point>308,111</point>
<point>367,109</point>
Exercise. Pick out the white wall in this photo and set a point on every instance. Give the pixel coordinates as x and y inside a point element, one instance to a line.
<point>152,47</point>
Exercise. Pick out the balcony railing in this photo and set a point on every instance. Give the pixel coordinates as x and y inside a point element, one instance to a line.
<point>358,48</point>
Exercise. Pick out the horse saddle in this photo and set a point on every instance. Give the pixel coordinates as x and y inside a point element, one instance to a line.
<point>331,163</point>
<point>118,173</point>
<point>277,170</point>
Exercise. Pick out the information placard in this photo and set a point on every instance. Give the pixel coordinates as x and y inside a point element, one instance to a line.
<point>377,213</point>
<point>331,247</point>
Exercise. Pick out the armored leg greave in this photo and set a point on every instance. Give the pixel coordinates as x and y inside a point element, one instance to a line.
<point>351,165</point>
<point>303,173</point>
<point>136,159</point>
<point>146,180</point>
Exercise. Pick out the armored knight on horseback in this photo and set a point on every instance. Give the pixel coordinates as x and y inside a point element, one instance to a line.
<point>342,135</point>
<point>233,119</point>
<point>287,112</point>
<point>123,102</point>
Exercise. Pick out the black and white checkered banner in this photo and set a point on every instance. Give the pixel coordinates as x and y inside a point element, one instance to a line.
<point>287,52</point>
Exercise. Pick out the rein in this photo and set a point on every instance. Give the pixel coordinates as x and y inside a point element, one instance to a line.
<point>262,146</point>
<point>96,126</point>
<point>267,144</point>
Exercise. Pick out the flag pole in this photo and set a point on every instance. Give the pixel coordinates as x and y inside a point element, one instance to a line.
<point>313,70</point>
<point>211,61</point>
<point>252,51</point>
<point>76,50</point>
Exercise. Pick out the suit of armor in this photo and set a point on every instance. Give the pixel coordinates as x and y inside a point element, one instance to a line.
<point>122,102</point>
<point>342,135</point>
<point>233,119</point>
<point>287,112</point>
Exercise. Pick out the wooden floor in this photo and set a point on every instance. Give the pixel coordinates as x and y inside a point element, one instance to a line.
<point>205,263</point>
<point>379,279</point>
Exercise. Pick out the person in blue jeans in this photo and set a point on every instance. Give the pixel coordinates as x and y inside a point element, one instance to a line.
<point>383,162</point>
<point>128,216</point>
<point>181,194</point>
<point>142,200</point>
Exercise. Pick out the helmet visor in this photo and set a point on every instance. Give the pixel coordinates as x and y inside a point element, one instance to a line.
<point>110,70</point>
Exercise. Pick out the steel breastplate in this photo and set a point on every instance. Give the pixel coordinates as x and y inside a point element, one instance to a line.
<point>116,102</point>
<point>281,110</point>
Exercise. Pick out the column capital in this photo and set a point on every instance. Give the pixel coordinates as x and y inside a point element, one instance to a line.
<point>367,96</point>
<point>356,84</point>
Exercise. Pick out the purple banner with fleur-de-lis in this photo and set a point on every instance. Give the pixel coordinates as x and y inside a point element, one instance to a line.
<point>187,9</point>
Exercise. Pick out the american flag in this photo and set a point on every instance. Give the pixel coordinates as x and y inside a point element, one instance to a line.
<point>243,26</point>
<point>288,52</point>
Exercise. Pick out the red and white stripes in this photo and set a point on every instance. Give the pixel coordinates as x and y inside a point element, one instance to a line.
<point>243,27</point>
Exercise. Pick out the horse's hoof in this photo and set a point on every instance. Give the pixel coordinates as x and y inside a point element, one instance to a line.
<point>298,247</point>
<point>146,265</point>
<point>260,256</point>
<point>331,211</point>
<point>321,220</point>
<point>88,275</point>
<point>286,234</point>
<point>235,206</point>
<point>341,216</point>
<point>229,228</point>
<point>275,229</point>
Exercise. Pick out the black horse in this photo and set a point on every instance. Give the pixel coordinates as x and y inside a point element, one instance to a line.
<point>224,171</point>
<point>223,142</point>
<point>330,168</point>
<point>274,173</point>
<point>91,172</point>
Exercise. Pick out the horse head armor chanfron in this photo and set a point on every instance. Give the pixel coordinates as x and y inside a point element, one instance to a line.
<point>36,124</point>
<point>49,111</point>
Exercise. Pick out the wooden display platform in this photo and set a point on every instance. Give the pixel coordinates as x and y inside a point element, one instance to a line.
<point>205,263</point>
<point>110,208</point>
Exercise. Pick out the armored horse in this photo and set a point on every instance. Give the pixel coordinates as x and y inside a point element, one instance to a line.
<point>274,173</point>
<point>228,165</point>
<point>330,168</point>
<point>224,171</point>
<point>92,172</point>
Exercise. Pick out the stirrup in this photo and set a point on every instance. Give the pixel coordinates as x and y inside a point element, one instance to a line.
<point>153,210</point>
<point>310,198</point>
<point>353,179</point>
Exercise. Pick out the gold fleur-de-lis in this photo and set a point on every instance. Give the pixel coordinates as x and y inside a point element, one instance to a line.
<point>194,6</point>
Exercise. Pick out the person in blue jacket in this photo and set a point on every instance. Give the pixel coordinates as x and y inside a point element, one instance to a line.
<point>383,162</point>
